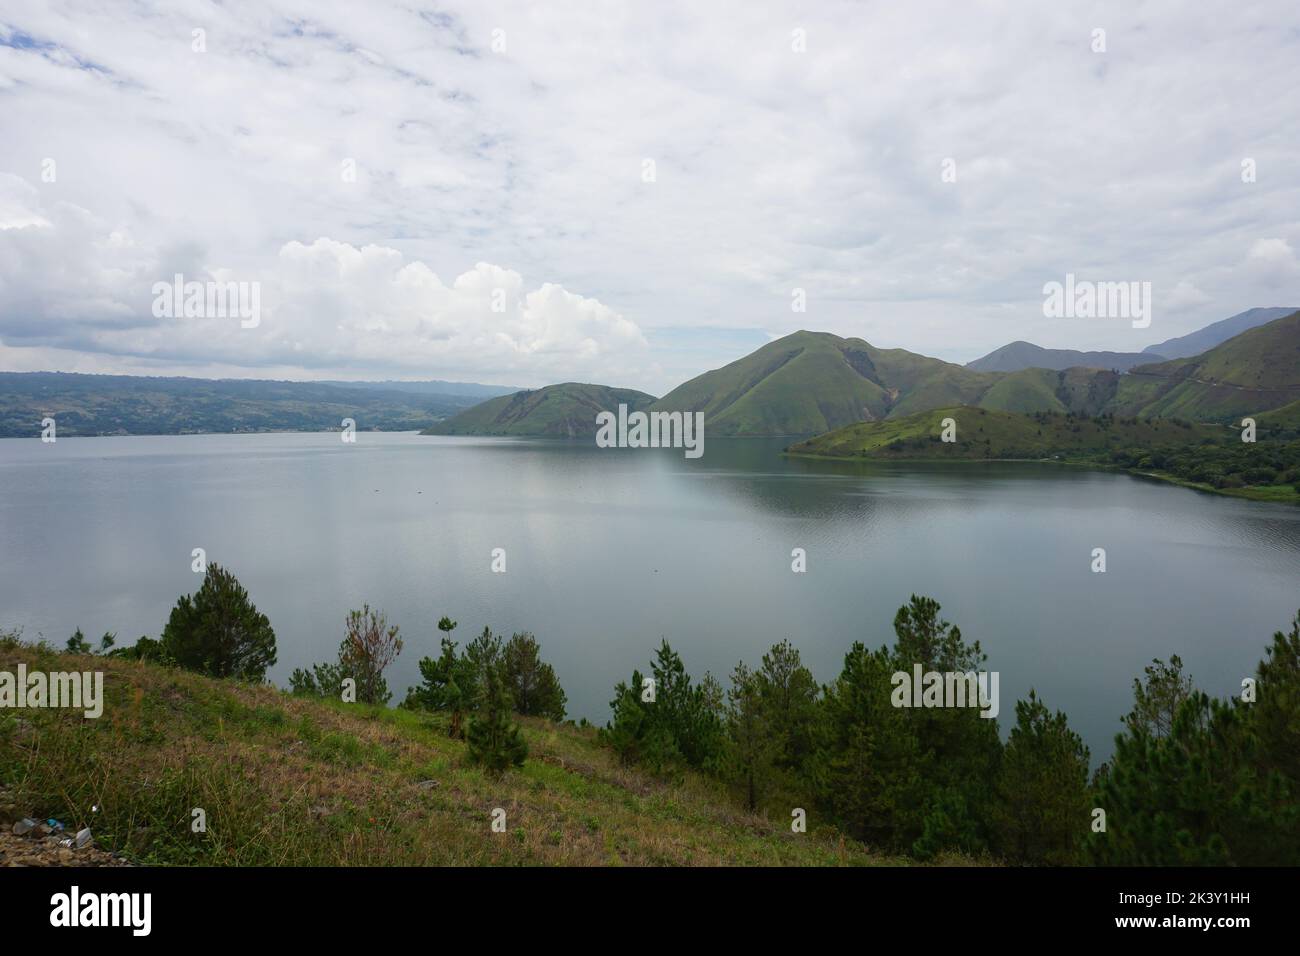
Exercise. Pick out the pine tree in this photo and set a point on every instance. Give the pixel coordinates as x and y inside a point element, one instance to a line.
<point>752,747</point>
<point>1220,788</point>
<point>789,697</point>
<point>1042,807</point>
<point>635,731</point>
<point>219,631</point>
<point>1156,701</point>
<point>533,685</point>
<point>494,739</point>
<point>960,749</point>
<point>868,764</point>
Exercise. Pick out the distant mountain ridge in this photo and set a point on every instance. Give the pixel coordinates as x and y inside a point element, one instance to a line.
<point>146,405</point>
<point>1022,355</point>
<point>1202,340</point>
<point>432,386</point>
<point>805,383</point>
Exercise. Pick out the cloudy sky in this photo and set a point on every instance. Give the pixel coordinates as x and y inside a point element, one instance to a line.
<point>519,193</point>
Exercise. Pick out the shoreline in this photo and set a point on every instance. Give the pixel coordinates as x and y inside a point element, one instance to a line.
<point>1247,494</point>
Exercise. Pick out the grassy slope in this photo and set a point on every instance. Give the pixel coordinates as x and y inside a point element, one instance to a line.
<point>1030,390</point>
<point>289,781</point>
<point>1252,372</point>
<point>985,433</point>
<point>557,411</point>
<point>815,381</point>
<point>1083,391</point>
<point>1280,421</point>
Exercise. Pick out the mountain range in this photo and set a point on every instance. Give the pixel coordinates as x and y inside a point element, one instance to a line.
<point>1022,355</point>
<point>808,383</point>
<point>805,383</point>
<point>145,405</point>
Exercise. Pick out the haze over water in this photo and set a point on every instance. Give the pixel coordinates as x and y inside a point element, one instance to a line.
<point>609,551</point>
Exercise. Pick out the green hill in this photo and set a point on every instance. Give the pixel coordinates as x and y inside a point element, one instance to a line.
<point>292,781</point>
<point>556,411</point>
<point>1083,391</point>
<point>983,433</point>
<point>1281,422</point>
<point>1250,373</point>
<point>814,381</point>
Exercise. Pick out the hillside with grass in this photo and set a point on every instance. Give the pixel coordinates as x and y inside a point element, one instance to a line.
<point>295,781</point>
<point>1250,373</point>
<point>1203,456</point>
<point>568,410</point>
<point>814,381</point>
<point>1216,333</point>
<point>983,433</point>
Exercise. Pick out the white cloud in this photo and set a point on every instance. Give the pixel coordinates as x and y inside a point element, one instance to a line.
<point>819,170</point>
<point>71,282</point>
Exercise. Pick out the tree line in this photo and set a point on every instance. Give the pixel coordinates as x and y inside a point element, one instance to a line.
<point>1193,780</point>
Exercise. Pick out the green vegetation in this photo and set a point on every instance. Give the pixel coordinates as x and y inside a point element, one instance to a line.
<point>813,381</point>
<point>985,434</point>
<point>303,781</point>
<point>1250,373</point>
<point>557,411</point>
<point>682,774</point>
<point>138,405</point>
<point>368,647</point>
<point>219,631</point>
<point>1209,457</point>
<point>1193,781</point>
<point>1203,782</point>
<point>531,682</point>
<point>663,719</point>
<point>494,739</point>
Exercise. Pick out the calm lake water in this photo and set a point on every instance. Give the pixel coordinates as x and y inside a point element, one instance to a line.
<point>608,551</point>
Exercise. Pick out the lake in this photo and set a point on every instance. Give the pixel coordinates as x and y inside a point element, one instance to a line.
<point>609,551</point>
